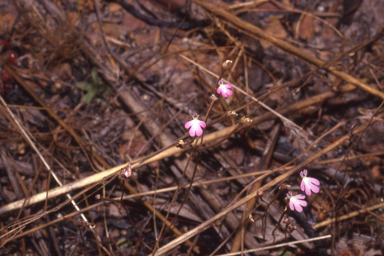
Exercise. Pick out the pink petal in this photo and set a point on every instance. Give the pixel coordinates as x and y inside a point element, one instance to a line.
<point>314,185</point>
<point>202,124</point>
<point>298,207</point>
<point>309,184</point>
<point>299,196</point>
<point>228,86</point>
<point>188,124</point>
<point>192,131</point>
<point>229,92</point>
<point>314,181</point>
<point>297,202</point>
<point>308,190</point>
<point>291,206</point>
<point>199,131</point>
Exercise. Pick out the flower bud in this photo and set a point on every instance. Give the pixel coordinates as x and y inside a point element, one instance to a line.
<point>231,113</point>
<point>180,144</point>
<point>284,186</point>
<point>245,120</point>
<point>213,97</point>
<point>291,228</point>
<point>226,64</point>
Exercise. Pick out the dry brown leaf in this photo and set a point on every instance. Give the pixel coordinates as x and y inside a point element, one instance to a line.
<point>6,21</point>
<point>306,31</point>
<point>279,96</point>
<point>274,28</point>
<point>114,7</point>
<point>88,5</point>
<point>130,23</point>
<point>376,172</point>
<point>72,17</point>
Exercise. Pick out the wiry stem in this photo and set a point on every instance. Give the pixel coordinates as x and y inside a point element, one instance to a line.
<point>278,223</point>
<point>282,188</point>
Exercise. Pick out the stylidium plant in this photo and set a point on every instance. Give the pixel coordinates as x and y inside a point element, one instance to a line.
<point>224,89</point>
<point>195,126</point>
<point>309,184</point>
<point>293,203</point>
<point>296,202</point>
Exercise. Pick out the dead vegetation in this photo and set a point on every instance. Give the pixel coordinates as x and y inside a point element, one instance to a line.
<point>88,87</point>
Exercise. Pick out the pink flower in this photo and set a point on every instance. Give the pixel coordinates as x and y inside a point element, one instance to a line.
<point>224,89</point>
<point>309,183</point>
<point>296,202</point>
<point>126,173</point>
<point>195,124</point>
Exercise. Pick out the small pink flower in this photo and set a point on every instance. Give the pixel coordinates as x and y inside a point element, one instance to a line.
<point>126,173</point>
<point>195,124</point>
<point>296,202</point>
<point>224,89</point>
<point>309,183</point>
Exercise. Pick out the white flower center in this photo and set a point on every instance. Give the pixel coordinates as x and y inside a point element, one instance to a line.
<point>223,88</point>
<point>195,123</point>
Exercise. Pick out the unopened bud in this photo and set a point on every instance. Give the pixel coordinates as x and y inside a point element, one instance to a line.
<point>98,197</point>
<point>231,113</point>
<point>90,225</point>
<point>213,98</point>
<point>180,144</point>
<point>284,186</point>
<point>245,120</point>
<point>260,193</point>
<point>286,220</point>
<point>291,228</point>
<point>226,64</point>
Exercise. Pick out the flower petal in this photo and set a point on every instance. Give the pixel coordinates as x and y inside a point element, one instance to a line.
<point>298,208</point>
<point>308,190</point>
<point>291,206</point>
<point>188,124</point>
<point>314,181</point>
<point>199,131</point>
<point>192,131</point>
<point>302,185</point>
<point>309,184</point>
<point>202,124</point>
